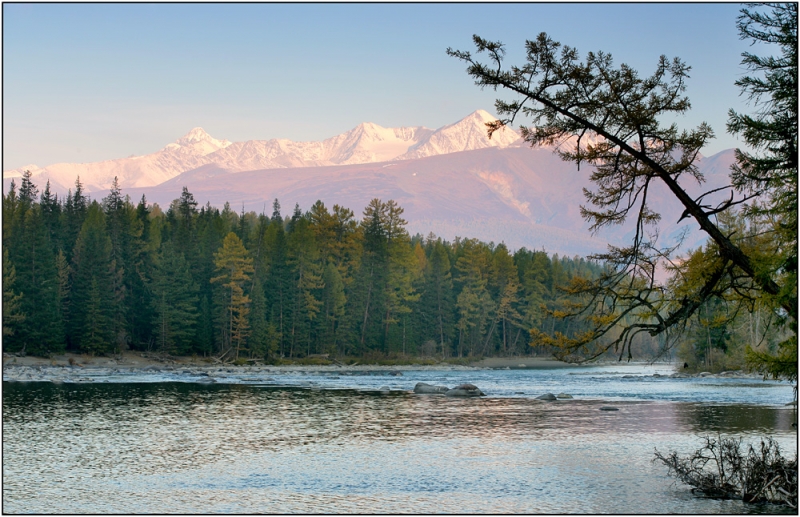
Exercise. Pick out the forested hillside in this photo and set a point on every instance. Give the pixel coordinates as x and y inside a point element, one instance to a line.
<point>104,276</point>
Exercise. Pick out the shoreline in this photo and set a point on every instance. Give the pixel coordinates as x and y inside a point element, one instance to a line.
<point>145,368</point>
<point>72,367</point>
<point>141,360</point>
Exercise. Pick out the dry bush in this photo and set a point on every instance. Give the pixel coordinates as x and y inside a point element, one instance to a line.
<point>721,469</point>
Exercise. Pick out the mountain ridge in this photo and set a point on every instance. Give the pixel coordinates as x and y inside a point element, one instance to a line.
<point>366,143</point>
<point>453,181</point>
<point>517,195</point>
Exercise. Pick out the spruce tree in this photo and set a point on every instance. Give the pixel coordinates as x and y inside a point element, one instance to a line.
<point>12,314</point>
<point>174,302</point>
<point>334,303</point>
<point>263,340</point>
<point>91,326</point>
<point>32,255</point>
<point>306,282</point>
<point>278,282</point>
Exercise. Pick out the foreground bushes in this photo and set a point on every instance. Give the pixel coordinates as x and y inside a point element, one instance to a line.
<point>721,469</point>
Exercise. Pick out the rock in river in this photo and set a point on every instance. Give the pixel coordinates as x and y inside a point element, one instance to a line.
<point>546,396</point>
<point>425,388</point>
<point>464,390</point>
<point>564,396</point>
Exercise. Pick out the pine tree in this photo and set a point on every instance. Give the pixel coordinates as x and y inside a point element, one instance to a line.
<point>605,115</point>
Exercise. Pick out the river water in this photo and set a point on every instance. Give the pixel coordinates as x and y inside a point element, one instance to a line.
<point>330,443</point>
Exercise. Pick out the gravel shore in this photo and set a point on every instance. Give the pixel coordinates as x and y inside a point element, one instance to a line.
<point>141,367</point>
<point>82,368</point>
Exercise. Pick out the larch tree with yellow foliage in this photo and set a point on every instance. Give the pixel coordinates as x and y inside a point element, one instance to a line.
<point>234,268</point>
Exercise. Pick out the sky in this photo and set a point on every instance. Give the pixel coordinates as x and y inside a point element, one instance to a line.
<point>91,82</point>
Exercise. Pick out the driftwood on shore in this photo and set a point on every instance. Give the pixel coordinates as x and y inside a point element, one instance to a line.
<point>721,469</point>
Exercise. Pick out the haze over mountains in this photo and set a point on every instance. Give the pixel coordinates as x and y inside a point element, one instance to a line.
<point>451,181</point>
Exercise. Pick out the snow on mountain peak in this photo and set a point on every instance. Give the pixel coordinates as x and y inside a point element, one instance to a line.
<point>197,134</point>
<point>467,134</point>
<point>16,173</point>
<point>483,116</point>
<point>197,142</point>
<point>366,143</point>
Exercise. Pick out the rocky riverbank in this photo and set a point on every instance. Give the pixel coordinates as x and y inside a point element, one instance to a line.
<point>134,367</point>
<point>82,368</point>
<point>141,367</point>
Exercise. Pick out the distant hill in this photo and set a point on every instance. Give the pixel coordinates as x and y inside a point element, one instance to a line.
<point>521,196</point>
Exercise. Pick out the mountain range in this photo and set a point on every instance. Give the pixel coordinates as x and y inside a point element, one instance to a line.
<point>452,181</point>
<point>366,143</point>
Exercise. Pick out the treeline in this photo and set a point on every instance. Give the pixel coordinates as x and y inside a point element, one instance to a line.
<point>101,277</point>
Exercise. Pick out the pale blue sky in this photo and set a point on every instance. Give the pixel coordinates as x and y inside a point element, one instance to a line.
<point>88,82</point>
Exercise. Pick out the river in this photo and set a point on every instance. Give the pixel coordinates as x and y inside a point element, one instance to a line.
<point>329,443</point>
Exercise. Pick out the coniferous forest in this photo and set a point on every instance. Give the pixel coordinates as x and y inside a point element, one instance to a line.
<point>100,277</point>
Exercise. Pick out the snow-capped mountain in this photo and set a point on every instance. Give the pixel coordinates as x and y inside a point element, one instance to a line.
<point>366,143</point>
<point>468,134</point>
<point>188,152</point>
<point>453,181</point>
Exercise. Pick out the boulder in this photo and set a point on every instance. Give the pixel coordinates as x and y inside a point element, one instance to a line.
<point>466,386</point>
<point>546,396</point>
<point>464,390</point>
<point>609,408</point>
<point>396,374</point>
<point>564,396</point>
<point>384,390</point>
<point>427,389</point>
<point>704,374</point>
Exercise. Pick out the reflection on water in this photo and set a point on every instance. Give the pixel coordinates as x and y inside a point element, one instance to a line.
<point>187,448</point>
